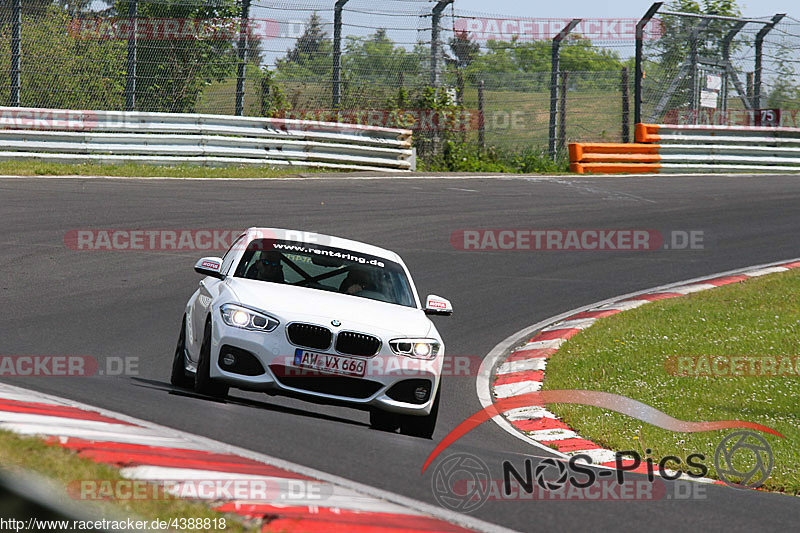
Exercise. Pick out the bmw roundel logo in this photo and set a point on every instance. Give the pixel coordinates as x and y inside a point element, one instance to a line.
<point>335,323</point>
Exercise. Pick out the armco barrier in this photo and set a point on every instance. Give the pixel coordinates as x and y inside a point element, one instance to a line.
<point>661,148</point>
<point>75,136</point>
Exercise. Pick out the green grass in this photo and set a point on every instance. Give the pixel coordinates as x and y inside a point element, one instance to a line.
<point>38,168</point>
<point>67,469</point>
<point>627,354</point>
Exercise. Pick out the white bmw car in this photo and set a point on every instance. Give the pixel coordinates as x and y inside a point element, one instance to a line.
<point>318,317</point>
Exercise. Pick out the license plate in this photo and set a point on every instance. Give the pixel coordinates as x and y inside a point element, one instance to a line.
<point>334,364</point>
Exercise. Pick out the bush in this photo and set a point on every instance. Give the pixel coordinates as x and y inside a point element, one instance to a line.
<point>465,157</point>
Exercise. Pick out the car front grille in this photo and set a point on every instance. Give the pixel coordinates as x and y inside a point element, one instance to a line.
<point>309,335</point>
<point>352,343</point>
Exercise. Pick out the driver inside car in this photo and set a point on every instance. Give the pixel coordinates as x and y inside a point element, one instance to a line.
<point>357,280</point>
<point>267,268</point>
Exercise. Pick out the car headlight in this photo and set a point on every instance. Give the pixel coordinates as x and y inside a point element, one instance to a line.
<point>416,348</point>
<point>244,318</point>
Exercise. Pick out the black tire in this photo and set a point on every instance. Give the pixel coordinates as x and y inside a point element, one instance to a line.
<point>422,426</point>
<point>384,421</point>
<point>179,377</point>
<point>203,384</point>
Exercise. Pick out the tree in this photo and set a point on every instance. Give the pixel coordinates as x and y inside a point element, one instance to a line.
<point>62,71</point>
<point>377,60</point>
<point>675,43</point>
<point>310,58</point>
<point>172,72</point>
<point>465,49</point>
<point>526,65</point>
<point>36,8</point>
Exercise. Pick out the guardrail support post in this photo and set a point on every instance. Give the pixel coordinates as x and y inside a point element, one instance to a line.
<point>637,75</point>
<point>337,53</point>
<point>130,75</point>
<point>554,70</point>
<point>626,116</point>
<point>16,51</point>
<point>436,16</point>
<point>759,51</point>
<point>241,50</point>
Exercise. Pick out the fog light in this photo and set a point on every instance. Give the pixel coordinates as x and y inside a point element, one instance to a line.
<point>228,359</point>
<point>420,393</point>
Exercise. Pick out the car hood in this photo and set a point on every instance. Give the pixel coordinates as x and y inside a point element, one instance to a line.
<point>290,303</point>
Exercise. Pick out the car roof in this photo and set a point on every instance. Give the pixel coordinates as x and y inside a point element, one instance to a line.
<point>325,240</point>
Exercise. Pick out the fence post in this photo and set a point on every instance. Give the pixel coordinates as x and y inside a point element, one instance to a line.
<point>562,113</point>
<point>130,78</point>
<point>695,80</point>
<point>241,49</point>
<point>16,51</point>
<point>729,72</point>
<point>626,117</point>
<point>637,75</point>
<point>481,121</point>
<point>759,50</point>
<point>554,69</point>
<point>436,16</point>
<point>337,53</point>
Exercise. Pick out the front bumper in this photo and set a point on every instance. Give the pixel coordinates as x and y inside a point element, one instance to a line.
<point>386,373</point>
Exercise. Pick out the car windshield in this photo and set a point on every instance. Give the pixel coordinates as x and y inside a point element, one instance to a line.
<point>326,268</point>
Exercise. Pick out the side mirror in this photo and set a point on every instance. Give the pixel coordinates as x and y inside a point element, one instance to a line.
<point>436,305</point>
<point>209,266</point>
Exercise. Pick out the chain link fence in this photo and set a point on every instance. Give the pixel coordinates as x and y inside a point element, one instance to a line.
<point>477,78</point>
<point>722,70</point>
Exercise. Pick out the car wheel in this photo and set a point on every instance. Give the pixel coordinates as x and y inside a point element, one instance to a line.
<point>383,421</point>
<point>203,383</point>
<point>422,426</point>
<point>179,377</point>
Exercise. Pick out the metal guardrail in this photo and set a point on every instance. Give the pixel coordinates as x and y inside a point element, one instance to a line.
<point>75,136</point>
<point>668,148</point>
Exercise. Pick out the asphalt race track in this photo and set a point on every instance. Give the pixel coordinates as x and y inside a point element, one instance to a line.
<point>128,304</point>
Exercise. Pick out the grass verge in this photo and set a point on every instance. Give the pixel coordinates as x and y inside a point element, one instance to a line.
<point>67,469</point>
<point>629,353</point>
<point>39,168</point>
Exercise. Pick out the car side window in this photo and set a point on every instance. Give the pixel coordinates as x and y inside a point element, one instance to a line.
<point>229,255</point>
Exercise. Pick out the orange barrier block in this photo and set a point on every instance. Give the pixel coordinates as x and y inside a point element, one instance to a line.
<point>646,133</point>
<point>580,151</point>
<point>615,168</point>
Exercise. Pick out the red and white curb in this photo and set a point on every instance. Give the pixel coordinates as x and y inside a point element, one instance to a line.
<point>299,499</point>
<point>512,369</point>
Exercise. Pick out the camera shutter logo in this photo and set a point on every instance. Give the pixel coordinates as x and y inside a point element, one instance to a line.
<point>462,470</point>
<point>743,449</point>
<point>547,482</point>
